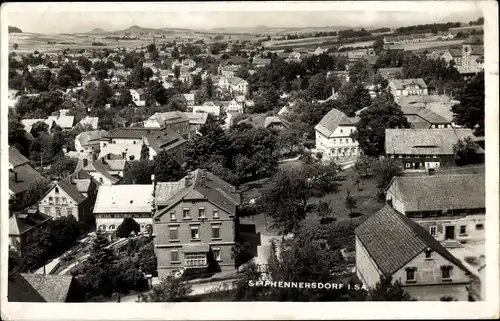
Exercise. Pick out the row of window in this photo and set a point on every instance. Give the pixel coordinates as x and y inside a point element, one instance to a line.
<point>413,156</point>
<point>58,200</point>
<point>113,227</point>
<point>411,275</point>
<point>195,233</point>
<point>341,140</point>
<point>186,214</point>
<point>194,259</point>
<point>462,231</point>
<point>343,150</point>
<point>69,211</point>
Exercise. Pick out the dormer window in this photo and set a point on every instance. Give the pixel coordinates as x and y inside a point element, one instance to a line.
<point>428,253</point>
<point>131,201</point>
<point>56,190</point>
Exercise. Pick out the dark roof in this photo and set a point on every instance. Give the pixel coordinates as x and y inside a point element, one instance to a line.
<point>39,288</point>
<point>392,240</point>
<point>164,140</point>
<point>24,221</point>
<point>331,121</point>
<point>201,184</point>
<point>441,192</point>
<point>425,114</point>
<point>26,175</point>
<point>16,158</point>
<point>72,191</point>
<point>132,132</point>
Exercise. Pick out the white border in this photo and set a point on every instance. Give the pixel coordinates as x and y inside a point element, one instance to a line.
<point>269,310</point>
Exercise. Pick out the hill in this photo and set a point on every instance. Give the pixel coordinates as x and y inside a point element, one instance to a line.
<point>14,30</point>
<point>97,30</point>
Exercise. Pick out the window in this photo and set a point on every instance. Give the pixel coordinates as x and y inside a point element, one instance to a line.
<point>216,213</point>
<point>58,212</point>
<point>428,254</point>
<point>201,212</point>
<point>341,131</point>
<point>51,200</point>
<point>410,274</point>
<point>112,227</point>
<point>57,201</point>
<point>101,180</point>
<point>216,252</point>
<point>172,216</point>
<point>479,227</point>
<point>216,232</point>
<point>334,141</point>
<point>433,230</point>
<point>174,256</point>
<point>174,234</point>
<point>195,233</point>
<point>408,156</point>
<point>434,156</point>
<point>400,156</point>
<point>185,213</point>
<point>56,190</point>
<point>64,201</point>
<point>196,259</point>
<point>408,165</point>
<point>463,230</point>
<point>446,272</point>
<point>69,211</point>
<point>340,140</point>
<point>347,140</point>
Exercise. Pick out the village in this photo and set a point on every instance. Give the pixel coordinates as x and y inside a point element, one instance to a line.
<point>188,168</point>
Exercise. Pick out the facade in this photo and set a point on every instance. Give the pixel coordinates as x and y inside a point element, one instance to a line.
<point>450,207</point>
<point>333,136</point>
<point>421,149</point>
<point>209,109</point>
<point>408,87</point>
<point>195,224</point>
<point>138,97</point>
<point>117,202</point>
<point>388,243</point>
<point>173,120</point>
<point>22,224</point>
<point>196,120</point>
<point>107,170</point>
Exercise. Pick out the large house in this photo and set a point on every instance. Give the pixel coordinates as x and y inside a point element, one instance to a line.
<point>390,73</point>
<point>420,149</point>
<point>173,120</point>
<point>22,224</point>
<point>333,136</point>
<point>450,207</point>
<point>107,170</point>
<point>195,224</point>
<point>423,118</point>
<point>21,174</point>
<point>196,120</point>
<point>407,87</point>
<point>73,196</point>
<point>129,141</point>
<point>208,108</point>
<point>117,202</point>
<point>390,244</point>
<point>89,141</point>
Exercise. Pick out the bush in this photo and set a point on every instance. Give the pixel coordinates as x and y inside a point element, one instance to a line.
<point>128,226</point>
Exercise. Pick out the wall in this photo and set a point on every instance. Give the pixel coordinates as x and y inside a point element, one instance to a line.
<point>431,161</point>
<point>472,235</point>
<point>106,219</point>
<point>435,292</point>
<point>331,144</point>
<point>103,180</point>
<point>366,269</point>
<point>50,209</point>
<point>394,195</point>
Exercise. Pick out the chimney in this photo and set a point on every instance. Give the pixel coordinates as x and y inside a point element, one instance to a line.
<point>15,177</point>
<point>124,155</point>
<point>108,156</point>
<point>85,162</point>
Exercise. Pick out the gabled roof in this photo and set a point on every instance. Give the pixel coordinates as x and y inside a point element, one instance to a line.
<point>197,118</point>
<point>165,140</point>
<point>331,121</point>
<point>275,119</point>
<point>132,132</point>
<point>124,199</point>
<point>90,137</point>
<point>432,193</point>
<point>24,221</point>
<point>16,158</point>
<point>165,190</point>
<point>434,141</point>
<point>72,191</point>
<point>215,110</point>
<point>388,72</point>
<point>102,167</point>
<point>26,175</point>
<point>401,83</point>
<point>170,117</point>
<point>392,240</point>
<point>63,121</point>
<point>26,287</point>
<point>92,121</point>
<point>425,114</point>
<point>203,185</point>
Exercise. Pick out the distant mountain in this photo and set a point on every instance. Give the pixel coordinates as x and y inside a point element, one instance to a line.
<point>275,30</point>
<point>14,30</point>
<point>97,30</point>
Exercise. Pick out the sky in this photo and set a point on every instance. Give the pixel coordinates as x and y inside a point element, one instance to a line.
<point>82,17</point>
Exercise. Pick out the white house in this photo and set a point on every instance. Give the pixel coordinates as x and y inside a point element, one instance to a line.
<point>333,136</point>
<point>407,87</point>
<point>138,97</point>
<point>238,85</point>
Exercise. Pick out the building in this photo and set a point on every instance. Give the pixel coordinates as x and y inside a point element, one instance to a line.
<point>173,120</point>
<point>260,62</point>
<point>390,244</point>
<point>22,224</point>
<point>208,109</point>
<point>423,118</point>
<point>196,120</point>
<point>439,104</point>
<point>450,207</point>
<point>21,174</point>
<point>107,170</point>
<point>129,141</point>
<point>276,122</point>
<point>89,141</point>
<point>189,99</point>
<point>117,202</point>
<point>73,196</point>
<point>28,124</point>
<point>238,85</point>
<point>453,54</point>
<point>407,87</point>
<point>421,149</point>
<point>27,287</point>
<point>390,73</point>
<point>473,54</point>
<point>333,136</point>
<point>195,224</point>
<point>92,122</point>
<point>64,121</point>
<point>138,97</point>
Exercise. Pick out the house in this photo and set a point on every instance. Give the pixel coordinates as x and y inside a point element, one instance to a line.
<point>238,85</point>
<point>237,105</point>
<point>453,54</point>
<point>89,141</point>
<point>21,174</point>
<point>453,218</point>
<point>261,62</point>
<point>276,122</point>
<point>196,120</point>
<point>73,196</point>
<point>117,202</point>
<point>333,136</point>
<point>284,111</point>
<point>28,123</point>
<point>390,244</point>
<point>423,118</point>
<point>129,141</point>
<point>28,287</point>
<point>421,149</point>
<point>107,170</point>
<point>195,225</point>
<point>209,109</point>
<point>92,122</point>
<point>189,99</point>
<point>439,104</point>
<point>407,87</point>
<point>13,97</point>
<point>319,51</point>
<point>138,97</point>
<point>172,120</point>
<point>390,73</point>
<point>22,224</point>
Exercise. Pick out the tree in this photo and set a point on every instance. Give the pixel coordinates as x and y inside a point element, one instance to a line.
<point>266,101</point>
<point>62,167</point>
<point>363,165</point>
<point>378,45</point>
<point>127,226</point>
<point>15,46</point>
<point>148,73</point>
<point>350,203</point>
<point>466,152</point>
<point>177,72</point>
<point>208,89</point>
<point>85,63</point>
<point>470,111</point>
<point>170,289</point>
<point>353,97</point>
<point>384,170</point>
<point>144,152</point>
<point>147,258</point>
<point>386,290</point>
<point>319,87</point>
<point>166,168</point>
<point>324,210</point>
<point>100,255</point>
<point>360,72</point>
<point>288,139</point>
<point>383,113</point>
<point>69,76</point>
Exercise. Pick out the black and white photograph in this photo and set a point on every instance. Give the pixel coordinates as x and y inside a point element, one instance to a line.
<point>253,152</point>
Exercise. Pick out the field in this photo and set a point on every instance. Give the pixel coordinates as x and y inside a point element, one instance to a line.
<point>426,44</point>
<point>295,42</point>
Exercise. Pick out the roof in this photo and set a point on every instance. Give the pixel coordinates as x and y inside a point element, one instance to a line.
<point>275,119</point>
<point>124,199</point>
<point>166,140</point>
<point>102,167</point>
<point>26,175</point>
<point>424,141</point>
<point>90,137</point>
<point>432,193</point>
<point>392,240</point>
<point>22,222</point>
<point>388,72</point>
<point>331,121</point>
<point>92,121</point>
<point>215,110</point>
<point>189,97</point>
<point>439,104</point>
<point>16,158</point>
<point>201,184</point>
<point>39,288</point>
<point>401,83</point>
<point>28,123</point>
<point>165,190</point>
<point>170,117</point>
<point>140,91</point>
<point>425,114</point>
<point>63,121</point>
<point>197,118</point>
<point>455,52</point>
<point>132,132</point>
<point>71,190</point>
